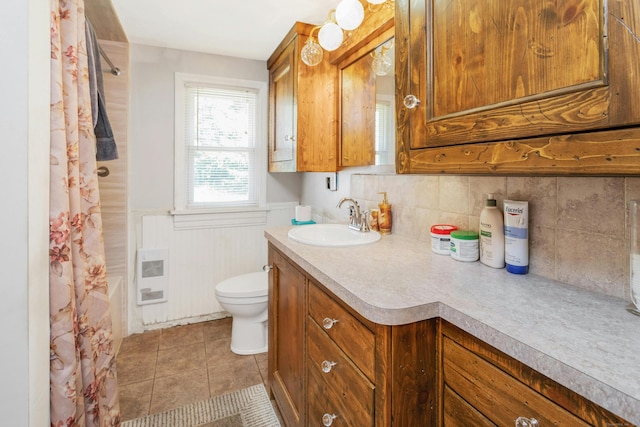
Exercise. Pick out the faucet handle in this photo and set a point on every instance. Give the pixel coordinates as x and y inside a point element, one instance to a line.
<point>364,221</point>
<point>352,214</point>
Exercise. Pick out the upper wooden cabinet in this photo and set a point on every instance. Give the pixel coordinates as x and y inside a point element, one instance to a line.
<point>518,86</point>
<point>302,109</point>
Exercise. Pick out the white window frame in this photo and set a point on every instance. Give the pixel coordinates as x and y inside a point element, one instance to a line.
<point>180,197</point>
<point>389,126</point>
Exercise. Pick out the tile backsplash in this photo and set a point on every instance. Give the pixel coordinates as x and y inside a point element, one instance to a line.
<point>577,225</point>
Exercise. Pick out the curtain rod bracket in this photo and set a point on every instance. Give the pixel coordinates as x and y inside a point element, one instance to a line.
<point>114,70</point>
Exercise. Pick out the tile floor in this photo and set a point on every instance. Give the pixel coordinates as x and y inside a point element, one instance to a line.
<point>168,368</point>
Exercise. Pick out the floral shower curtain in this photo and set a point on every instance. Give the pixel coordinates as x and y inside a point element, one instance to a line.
<point>82,371</point>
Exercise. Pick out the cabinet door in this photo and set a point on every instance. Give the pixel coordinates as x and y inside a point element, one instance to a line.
<point>487,71</point>
<point>287,289</point>
<point>283,115</point>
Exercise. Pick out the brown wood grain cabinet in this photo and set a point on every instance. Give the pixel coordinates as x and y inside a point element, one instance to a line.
<point>302,109</point>
<point>518,87</point>
<point>326,360</point>
<point>340,364</point>
<point>374,373</point>
<point>484,387</point>
<point>287,316</point>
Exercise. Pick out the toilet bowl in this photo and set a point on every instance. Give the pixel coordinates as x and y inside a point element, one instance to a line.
<point>245,298</point>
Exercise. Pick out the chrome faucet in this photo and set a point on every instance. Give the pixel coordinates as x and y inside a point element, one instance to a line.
<point>357,220</point>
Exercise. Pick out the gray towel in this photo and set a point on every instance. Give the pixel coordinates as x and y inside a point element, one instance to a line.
<point>106,148</point>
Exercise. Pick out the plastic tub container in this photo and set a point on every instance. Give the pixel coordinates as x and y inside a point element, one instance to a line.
<point>441,239</point>
<point>464,245</point>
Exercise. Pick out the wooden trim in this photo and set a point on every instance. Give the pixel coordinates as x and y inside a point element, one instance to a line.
<point>299,28</point>
<point>603,153</point>
<point>373,25</point>
<point>105,20</point>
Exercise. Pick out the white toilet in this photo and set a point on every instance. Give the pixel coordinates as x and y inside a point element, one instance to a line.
<point>245,298</point>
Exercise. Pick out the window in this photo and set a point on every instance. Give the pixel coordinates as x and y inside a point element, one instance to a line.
<point>219,158</point>
<point>384,131</point>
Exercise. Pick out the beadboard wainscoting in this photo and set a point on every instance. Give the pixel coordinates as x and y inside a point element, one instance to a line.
<point>203,249</point>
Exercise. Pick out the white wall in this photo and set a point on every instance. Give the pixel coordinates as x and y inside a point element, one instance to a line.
<point>324,202</point>
<point>24,173</point>
<point>151,164</point>
<point>151,138</point>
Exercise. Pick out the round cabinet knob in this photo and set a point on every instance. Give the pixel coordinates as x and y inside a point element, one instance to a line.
<point>327,366</point>
<point>267,268</point>
<point>328,323</point>
<point>291,138</point>
<point>527,422</point>
<point>411,101</point>
<point>327,419</point>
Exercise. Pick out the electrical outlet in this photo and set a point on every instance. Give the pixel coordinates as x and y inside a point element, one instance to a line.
<point>331,181</point>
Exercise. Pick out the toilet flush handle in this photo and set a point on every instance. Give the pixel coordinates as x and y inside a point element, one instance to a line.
<point>267,268</point>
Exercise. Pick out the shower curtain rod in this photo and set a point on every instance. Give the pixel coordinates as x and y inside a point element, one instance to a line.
<point>114,70</point>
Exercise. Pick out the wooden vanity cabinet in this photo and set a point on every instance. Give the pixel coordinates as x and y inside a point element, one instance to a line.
<point>482,386</point>
<point>302,109</point>
<point>383,375</point>
<point>518,87</point>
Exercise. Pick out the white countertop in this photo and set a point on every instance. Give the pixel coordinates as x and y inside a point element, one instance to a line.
<point>583,340</point>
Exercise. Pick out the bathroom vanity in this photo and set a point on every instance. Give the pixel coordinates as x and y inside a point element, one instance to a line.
<point>392,334</point>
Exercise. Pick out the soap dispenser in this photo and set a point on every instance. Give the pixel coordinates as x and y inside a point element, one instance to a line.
<point>384,217</point>
<point>491,234</point>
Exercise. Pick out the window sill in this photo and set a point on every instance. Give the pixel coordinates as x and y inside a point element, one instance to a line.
<point>217,218</point>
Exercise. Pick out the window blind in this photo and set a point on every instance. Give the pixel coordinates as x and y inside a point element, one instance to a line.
<point>220,145</point>
<point>382,132</point>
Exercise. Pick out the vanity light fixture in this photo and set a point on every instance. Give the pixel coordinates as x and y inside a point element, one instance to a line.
<point>311,52</point>
<point>347,16</point>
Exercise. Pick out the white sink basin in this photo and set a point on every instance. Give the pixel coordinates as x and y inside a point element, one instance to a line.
<point>331,235</point>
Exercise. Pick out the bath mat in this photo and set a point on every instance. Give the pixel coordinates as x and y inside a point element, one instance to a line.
<point>249,407</point>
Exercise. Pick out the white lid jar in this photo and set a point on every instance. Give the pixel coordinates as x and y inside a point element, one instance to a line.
<point>440,238</point>
<point>464,245</point>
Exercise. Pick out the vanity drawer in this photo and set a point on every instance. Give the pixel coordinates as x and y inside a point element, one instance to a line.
<point>342,391</point>
<point>496,394</point>
<point>458,413</point>
<point>353,337</point>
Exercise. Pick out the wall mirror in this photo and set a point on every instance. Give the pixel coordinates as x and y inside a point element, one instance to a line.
<point>367,105</point>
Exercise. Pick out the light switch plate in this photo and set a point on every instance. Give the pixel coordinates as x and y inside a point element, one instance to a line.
<point>331,181</point>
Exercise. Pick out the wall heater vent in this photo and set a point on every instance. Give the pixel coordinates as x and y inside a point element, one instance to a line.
<point>152,277</point>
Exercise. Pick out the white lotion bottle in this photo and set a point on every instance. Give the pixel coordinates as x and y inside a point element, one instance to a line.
<point>491,234</point>
<point>516,236</point>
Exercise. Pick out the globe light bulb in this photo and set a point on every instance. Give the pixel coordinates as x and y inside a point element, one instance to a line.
<point>381,64</point>
<point>376,1</point>
<point>330,36</point>
<point>311,52</point>
<point>349,14</point>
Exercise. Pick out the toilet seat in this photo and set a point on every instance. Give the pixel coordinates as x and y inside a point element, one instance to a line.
<point>244,286</point>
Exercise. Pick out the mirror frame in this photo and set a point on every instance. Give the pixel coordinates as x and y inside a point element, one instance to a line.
<point>377,28</point>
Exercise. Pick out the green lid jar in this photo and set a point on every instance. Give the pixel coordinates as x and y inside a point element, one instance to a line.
<point>464,245</point>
